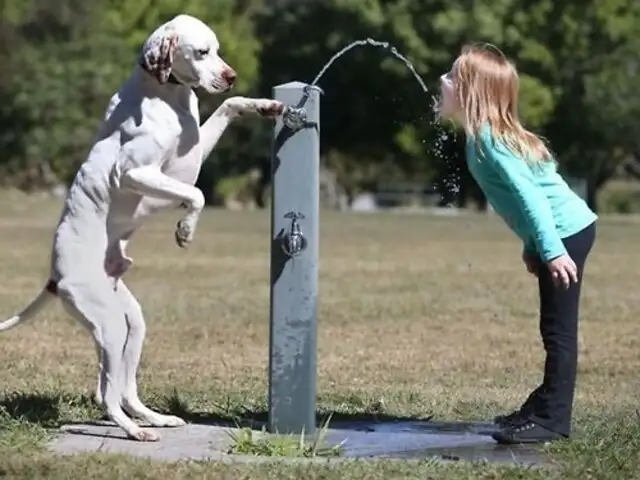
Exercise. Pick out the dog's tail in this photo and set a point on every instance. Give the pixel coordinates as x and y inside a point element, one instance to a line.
<point>38,303</point>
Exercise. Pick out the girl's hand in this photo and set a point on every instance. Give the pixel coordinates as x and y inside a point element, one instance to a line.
<point>530,261</point>
<point>563,271</point>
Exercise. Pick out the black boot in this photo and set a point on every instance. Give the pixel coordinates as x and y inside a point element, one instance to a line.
<point>522,414</point>
<point>504,421</point>
<point>525,432</point>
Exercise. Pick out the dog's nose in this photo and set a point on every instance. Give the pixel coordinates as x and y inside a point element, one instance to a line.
<point>229,76</point>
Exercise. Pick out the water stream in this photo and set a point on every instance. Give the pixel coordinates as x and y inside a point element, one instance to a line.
<point>373,43</point>
<point>451,181</point>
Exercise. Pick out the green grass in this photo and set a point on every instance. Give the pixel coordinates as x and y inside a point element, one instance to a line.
<point>418,316</point>
<point>247,441</point>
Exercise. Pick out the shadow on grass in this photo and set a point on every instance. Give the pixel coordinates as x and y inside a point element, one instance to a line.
<point>48,410</point>
<point>52,410</point>
<point>33,408</point>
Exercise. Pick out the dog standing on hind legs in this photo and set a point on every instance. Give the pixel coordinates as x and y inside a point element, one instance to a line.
<point>146,158</point>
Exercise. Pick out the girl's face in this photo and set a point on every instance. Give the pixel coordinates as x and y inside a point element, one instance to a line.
<point>448,105</point>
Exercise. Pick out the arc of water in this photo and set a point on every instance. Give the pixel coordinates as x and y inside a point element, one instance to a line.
<point>373,43</point>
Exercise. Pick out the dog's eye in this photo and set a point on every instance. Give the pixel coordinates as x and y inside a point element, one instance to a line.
<point>203,51</point>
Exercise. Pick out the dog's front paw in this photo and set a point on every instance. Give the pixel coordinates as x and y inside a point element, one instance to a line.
<point>185,230</point>
<point>269,108</point>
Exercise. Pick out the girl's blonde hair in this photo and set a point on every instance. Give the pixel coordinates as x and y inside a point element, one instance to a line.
<point>486,87</point>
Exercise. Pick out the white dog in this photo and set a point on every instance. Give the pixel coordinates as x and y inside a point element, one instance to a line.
<point>146,157</point>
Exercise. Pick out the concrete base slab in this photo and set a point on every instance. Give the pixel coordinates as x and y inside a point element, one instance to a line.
<point>191,442</point>
<point>401,440</point>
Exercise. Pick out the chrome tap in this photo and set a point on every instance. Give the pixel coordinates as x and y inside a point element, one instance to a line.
<point>294,118</point>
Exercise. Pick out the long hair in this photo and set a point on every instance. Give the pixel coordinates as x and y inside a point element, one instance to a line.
<point>486,86</point>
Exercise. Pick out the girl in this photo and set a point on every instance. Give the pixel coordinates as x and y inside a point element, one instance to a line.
<point>517,174</point>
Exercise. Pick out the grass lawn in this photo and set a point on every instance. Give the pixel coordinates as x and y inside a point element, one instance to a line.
<point>422,314</point>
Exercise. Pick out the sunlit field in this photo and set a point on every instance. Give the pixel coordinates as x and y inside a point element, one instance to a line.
<point>424,315</point>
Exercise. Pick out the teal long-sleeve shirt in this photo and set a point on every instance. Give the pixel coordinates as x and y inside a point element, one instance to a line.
<point>534,200</point>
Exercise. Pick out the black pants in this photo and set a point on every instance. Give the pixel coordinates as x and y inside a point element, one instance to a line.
<point>551,404</point>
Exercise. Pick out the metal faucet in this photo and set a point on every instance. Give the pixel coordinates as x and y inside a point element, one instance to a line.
<point>293,241</point>
<point>295,118</point>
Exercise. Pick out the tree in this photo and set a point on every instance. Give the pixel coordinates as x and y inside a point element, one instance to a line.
<point>59,74</point>
<point>592,44</point>
<point>67,57</point>
<point>577,60</point>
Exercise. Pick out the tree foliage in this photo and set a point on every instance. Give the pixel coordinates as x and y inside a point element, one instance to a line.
<point>578,59</point>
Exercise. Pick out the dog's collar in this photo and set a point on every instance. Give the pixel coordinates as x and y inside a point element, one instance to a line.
<point>172,79</point>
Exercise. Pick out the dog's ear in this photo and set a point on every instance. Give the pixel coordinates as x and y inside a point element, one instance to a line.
<point>158,54</point>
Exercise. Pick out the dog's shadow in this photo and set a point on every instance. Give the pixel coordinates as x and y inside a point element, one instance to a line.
<point>47,410</point>
<point>73,413</point>
<point>76,412</point>
<point>366,420</point>
<point>42,409</point>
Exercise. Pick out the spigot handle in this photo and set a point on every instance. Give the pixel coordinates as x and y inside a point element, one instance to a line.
<point>294,118</point>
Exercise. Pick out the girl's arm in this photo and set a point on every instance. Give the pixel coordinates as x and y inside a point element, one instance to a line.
<point>515,172</point>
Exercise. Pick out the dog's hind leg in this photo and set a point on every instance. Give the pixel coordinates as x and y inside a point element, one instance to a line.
<point>130,361</point>
<point>98,394</point>
<point>98,307</point>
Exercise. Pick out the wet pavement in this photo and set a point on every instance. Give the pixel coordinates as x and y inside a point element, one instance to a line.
<point>469,441</point>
